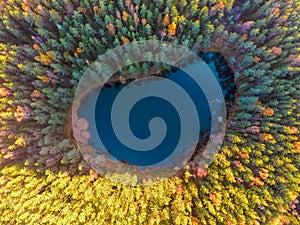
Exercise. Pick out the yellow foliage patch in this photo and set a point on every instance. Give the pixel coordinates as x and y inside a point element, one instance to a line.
<point>264,174</point>
<point>266,137</point>
<point>36,47</point>
<point>43,78</point>
<point>124,16</point>
<point>46,59</point>
<point>20,142</point>
<point>79,50</point>
<point>172,29</point>
<point>125,40</point>
<point>97,10</point>
<point>257,181</point>
<point>256,59</point>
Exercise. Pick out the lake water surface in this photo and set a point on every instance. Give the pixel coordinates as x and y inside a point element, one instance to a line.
<point>151,107</point>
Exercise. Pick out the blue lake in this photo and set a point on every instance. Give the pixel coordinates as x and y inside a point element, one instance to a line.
<point>151,107</point>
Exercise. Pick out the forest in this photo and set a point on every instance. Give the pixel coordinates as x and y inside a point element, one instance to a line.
<point>45,48</point>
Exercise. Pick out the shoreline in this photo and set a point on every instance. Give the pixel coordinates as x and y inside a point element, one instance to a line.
<point>127,78</point>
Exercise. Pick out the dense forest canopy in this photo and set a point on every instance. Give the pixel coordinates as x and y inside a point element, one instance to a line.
<point>47,45</point>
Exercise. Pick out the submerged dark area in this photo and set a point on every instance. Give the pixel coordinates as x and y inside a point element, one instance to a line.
<point>223,73</point>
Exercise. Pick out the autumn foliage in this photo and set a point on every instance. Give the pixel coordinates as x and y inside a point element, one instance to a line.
<point>45,48</point>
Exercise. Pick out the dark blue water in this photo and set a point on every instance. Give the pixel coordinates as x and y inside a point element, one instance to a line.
<point>142,113</point>
<point>150,107</point>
